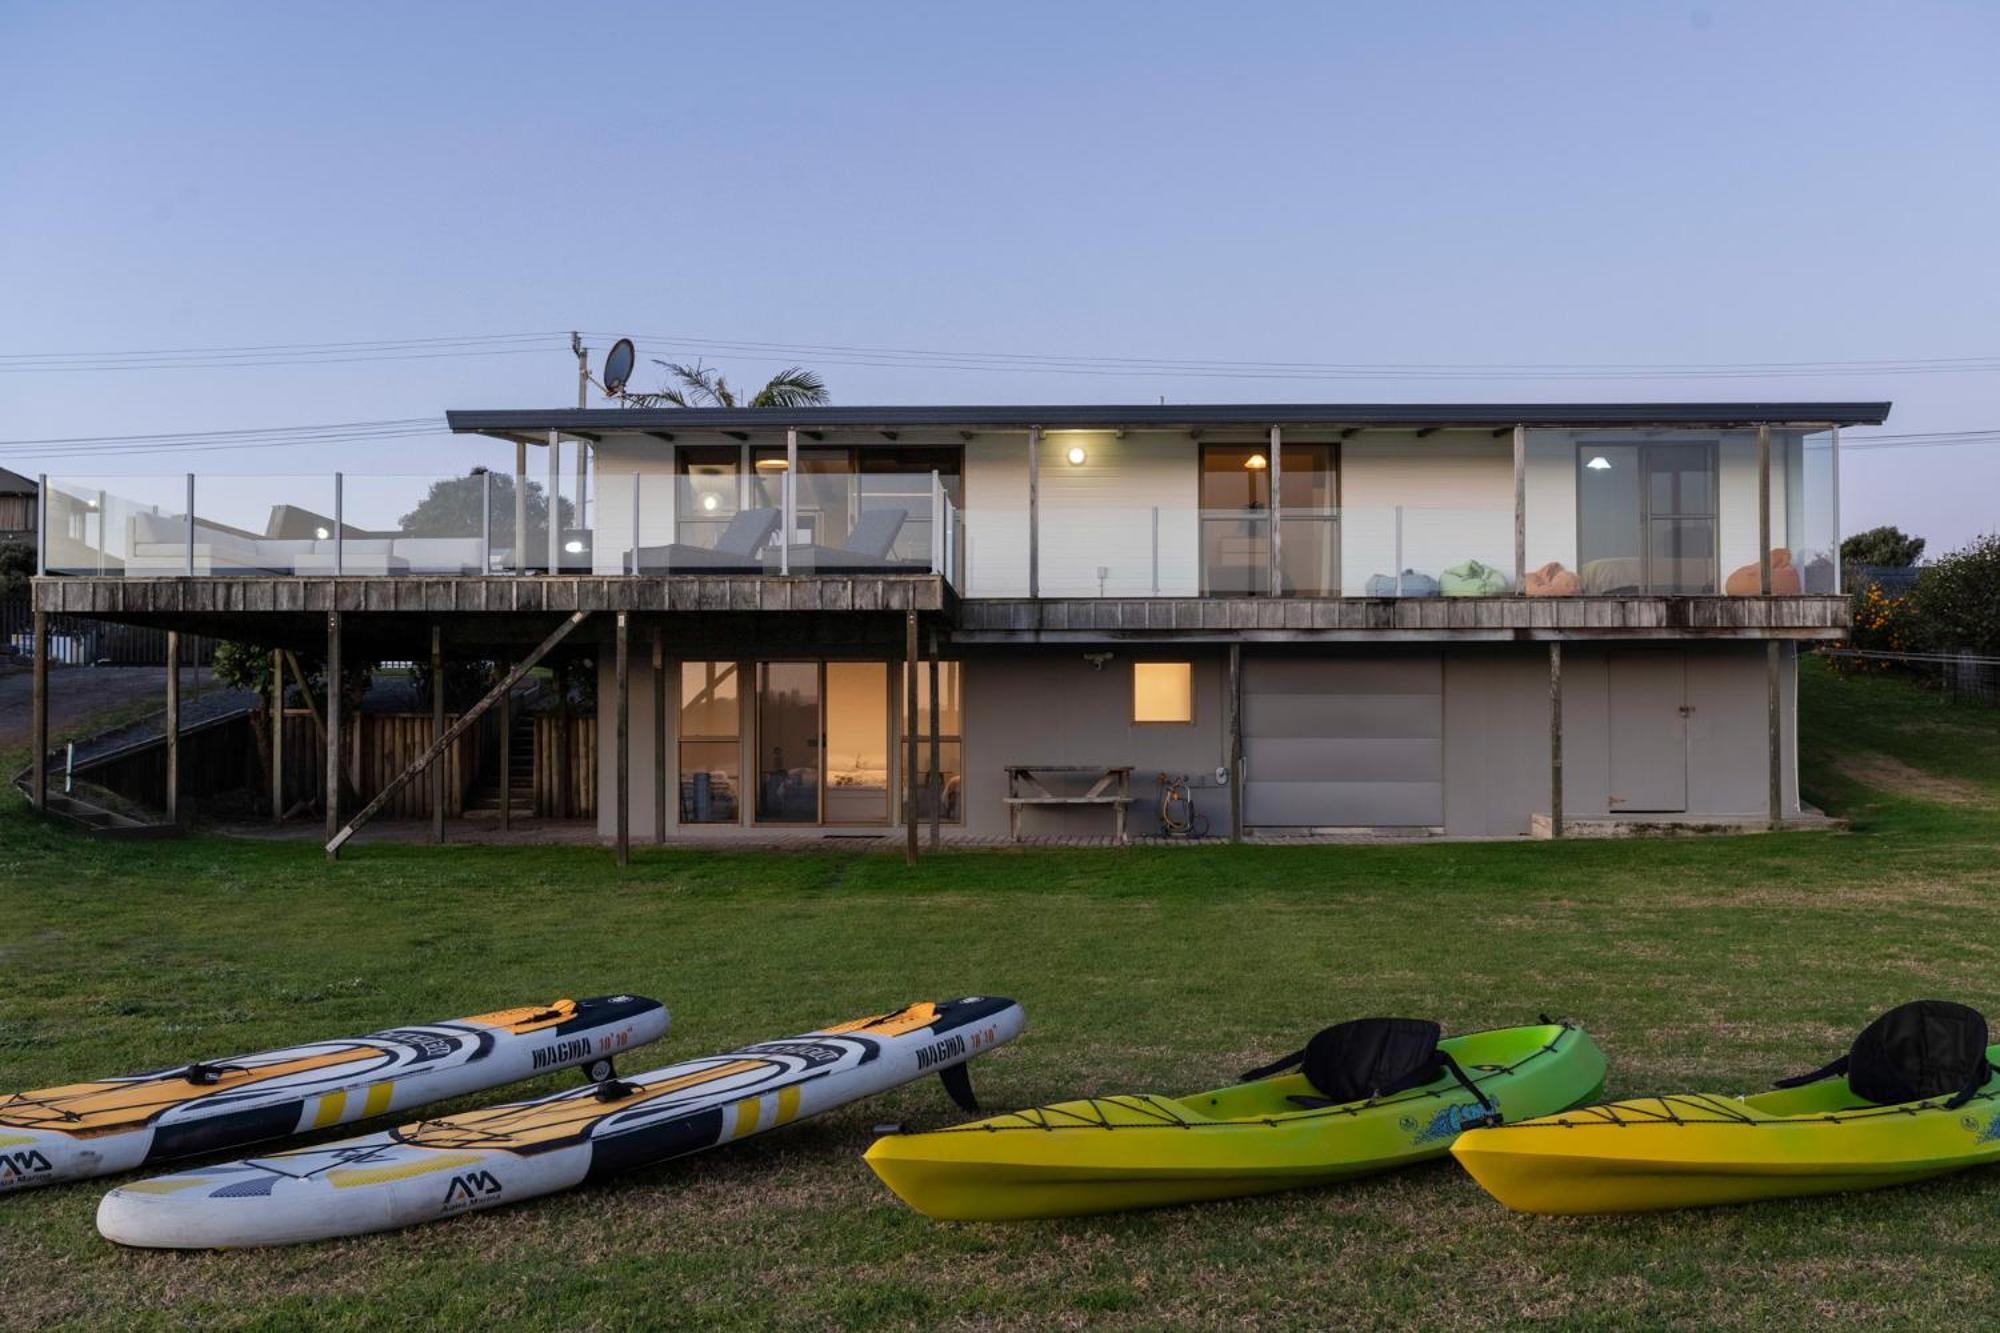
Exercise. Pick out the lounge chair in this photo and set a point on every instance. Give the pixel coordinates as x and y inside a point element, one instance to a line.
<point>868,546</point>
<point>736,550</point>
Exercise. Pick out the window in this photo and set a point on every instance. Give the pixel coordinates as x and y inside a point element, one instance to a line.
<point>1646,517</point>
<point>1163,692</point>
<point>711,760</point>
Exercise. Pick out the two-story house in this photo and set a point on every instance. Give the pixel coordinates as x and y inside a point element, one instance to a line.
<point>1479,619</point>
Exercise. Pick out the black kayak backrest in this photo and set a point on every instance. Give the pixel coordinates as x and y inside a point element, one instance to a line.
<point>1919,1050</point>
<point>1366,1057</point>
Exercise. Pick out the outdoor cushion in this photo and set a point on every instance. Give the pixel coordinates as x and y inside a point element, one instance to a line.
<point>1472,579</point>
<point>1784,577</point>
<point>1414,585</point>
<point>1551,580</point>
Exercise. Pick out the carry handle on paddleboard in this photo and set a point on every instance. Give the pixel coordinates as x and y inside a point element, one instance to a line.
<point>203,1074</point>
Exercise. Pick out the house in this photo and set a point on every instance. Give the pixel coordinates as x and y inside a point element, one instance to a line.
<point>17,507</point>
<point>1477,619</point>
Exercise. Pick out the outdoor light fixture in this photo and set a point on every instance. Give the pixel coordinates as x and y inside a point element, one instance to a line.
<point>573,546</point>
<point>1599,464</point>
<point>1076,455</point>
<point>708,503</point>
<point>1256,462</point>
<point>321,533</point>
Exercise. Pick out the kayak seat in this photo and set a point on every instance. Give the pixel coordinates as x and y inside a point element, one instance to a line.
<point>1916,1051</point>
<point>1366,1058</point>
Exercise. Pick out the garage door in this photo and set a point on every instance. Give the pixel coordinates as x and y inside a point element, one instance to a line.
<point>1343,743</point>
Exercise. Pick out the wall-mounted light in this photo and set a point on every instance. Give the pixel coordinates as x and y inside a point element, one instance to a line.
<point>1599,463</point>
<point>321,533</point>
<point>1076,455</point>
<point>1256,462</point>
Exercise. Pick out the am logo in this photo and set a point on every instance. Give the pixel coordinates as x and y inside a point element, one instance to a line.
<point>472,1188</point>
<point>18,1166</point>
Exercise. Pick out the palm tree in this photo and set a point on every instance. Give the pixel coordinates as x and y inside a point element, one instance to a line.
<point>703,386</point>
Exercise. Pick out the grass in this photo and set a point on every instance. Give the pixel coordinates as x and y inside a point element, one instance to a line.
<point>1711,964</point>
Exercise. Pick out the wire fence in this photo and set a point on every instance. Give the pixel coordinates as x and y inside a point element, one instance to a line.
<point>1963,677</point>
<point>79,641</point>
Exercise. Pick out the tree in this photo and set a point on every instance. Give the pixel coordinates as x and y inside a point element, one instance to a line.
<point>454,508</point>
<point>17,566</point>
<point>704,386</point>
<point>1957,600</point>
<point>1883,547</point>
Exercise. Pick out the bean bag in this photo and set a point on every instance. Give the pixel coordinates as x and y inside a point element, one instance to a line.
<point>1414,585</point>
<point>1551,580</point>
<point>1784,577</point>
<point>1472,579</point>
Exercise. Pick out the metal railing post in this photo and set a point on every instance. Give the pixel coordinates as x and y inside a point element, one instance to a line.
<point>938,520</point>
<point>1156,550</point>
<point>339,520</point>
<point>103,532</point>
<point>190,523</point>
<point>1399,550</point>
<point>42,524</point>
<point>485,523</point>
<point>635,516</point>
<point>788,500</point>
<point>1839,575</point>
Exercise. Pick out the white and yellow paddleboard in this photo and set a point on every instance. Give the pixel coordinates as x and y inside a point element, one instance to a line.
<point>482,1159</point>
<point>116,1124</point>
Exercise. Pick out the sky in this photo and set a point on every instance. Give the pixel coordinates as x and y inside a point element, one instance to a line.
<point>1452,187</point>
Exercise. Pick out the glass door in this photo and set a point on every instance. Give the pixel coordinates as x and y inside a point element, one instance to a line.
<point>788,742</point>
<point>1235,520</point>
<point>857,742</point>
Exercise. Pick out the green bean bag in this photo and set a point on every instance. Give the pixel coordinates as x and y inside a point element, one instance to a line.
<point>1472,579</point>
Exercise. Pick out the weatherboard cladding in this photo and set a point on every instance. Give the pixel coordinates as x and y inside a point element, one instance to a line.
<point>593,421</point>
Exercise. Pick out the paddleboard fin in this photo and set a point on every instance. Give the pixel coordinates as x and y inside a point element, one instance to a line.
<point>958,1083</point>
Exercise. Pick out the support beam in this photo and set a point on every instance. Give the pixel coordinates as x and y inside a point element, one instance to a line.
<point>173,726</point>
<point>1775,732</point>
<point>910,737</point>
<point>1555,738</point>
<point>1034,511</point>
<point>659,736</point>
<point>38,775</point>
<point>331,732</point>
<point>277,735</point>
<point>1763,511</point>
<point>350,782</point>
<point>1520,510</point>
<point>1833,462</point>
<point>935,784</point>
<point>437,747</point>
<point>564,759</point>
<point>507,761</point>
<point>437,730</point>
<point>1232,708</point>
<point>1275,572</point>
<point>623,721</point>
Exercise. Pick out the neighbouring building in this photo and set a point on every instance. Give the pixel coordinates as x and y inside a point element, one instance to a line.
<point>17,507</point>
<point>1432,618</point>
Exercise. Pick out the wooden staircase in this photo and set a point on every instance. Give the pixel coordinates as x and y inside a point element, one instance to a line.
<point>484,798</point>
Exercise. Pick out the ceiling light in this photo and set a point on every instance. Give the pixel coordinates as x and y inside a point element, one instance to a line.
<point>708,503</point>
<point>573,546</point>
<point>773,465</point>
<point>1256,462</point>
<point>1599,464</point>
<point>321,533</point>
<point>1076,455</point>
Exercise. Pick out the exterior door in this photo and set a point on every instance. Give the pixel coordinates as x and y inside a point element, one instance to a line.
<point>1344,742</point>
<point>1649,733</point>
<point>788,742</point>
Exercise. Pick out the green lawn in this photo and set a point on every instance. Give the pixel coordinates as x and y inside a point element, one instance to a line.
<point>1714,964</point>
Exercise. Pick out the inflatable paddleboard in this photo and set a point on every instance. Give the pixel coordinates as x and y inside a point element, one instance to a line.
<point>96,1129</point>
<point>483,1159</point>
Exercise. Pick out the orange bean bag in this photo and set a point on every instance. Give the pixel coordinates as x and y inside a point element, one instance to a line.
<point>1784,577</point>
<point>1552,580</point>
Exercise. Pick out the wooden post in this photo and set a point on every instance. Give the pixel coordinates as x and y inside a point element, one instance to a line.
<point>1555,738</point>
<point>277,735</point>
<point>38,780</point>
<point>1763,511</point>
<point>1034,511</point>
<point>935,784</point>
<point>1520,510</point>
<point>1773,667</point>
<point>910,737</point>
<point>332,730</point>
<point>520,506</point>
<point>507,761</point>
<point>555,503</point>
<point>1232,709</point>
<point>437,730</point>
<point>561,759</point>
<point>659,736</point>
<point>624,737</point>
<point>173,726</point>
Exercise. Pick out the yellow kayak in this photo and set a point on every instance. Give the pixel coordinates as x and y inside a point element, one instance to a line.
<point>1105,1154</point>
<point>1694,1150</point>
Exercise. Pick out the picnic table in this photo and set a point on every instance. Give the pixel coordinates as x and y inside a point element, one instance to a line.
<point>1109,785</point>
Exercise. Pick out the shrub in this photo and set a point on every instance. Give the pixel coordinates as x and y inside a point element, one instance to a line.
<point>1957,600</point>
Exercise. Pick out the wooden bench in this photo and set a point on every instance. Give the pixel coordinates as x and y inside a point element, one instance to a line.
<point>1111,785</point>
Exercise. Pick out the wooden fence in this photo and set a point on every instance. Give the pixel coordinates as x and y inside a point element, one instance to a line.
<point>582,767</point>
<point>81,641</point>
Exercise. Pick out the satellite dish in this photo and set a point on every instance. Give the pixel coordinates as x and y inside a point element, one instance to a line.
<point>618,366</point>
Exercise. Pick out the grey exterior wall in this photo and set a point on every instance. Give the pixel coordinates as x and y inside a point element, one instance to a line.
<point>1050,706</point>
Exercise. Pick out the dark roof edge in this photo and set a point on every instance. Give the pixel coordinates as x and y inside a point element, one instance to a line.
<point>1058,417</point>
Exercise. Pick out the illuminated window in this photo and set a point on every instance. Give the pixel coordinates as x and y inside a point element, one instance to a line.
<point>1162,692</point>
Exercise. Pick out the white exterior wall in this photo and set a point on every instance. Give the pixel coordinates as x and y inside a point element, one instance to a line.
<point>996,516</point>
<point>1456,493</point>
<point>1101,515</point>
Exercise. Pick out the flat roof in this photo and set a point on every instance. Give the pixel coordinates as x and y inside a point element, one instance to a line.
<point>1073,416</point>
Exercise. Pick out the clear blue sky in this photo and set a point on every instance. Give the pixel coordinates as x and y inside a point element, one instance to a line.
<point>1528,183</point>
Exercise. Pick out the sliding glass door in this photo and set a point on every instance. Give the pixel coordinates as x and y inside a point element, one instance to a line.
<point>1646,518</point>
<point>788,742</point>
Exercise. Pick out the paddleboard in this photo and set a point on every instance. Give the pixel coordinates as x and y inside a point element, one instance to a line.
<point>502,1154</point>
<point>116,1124</point>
